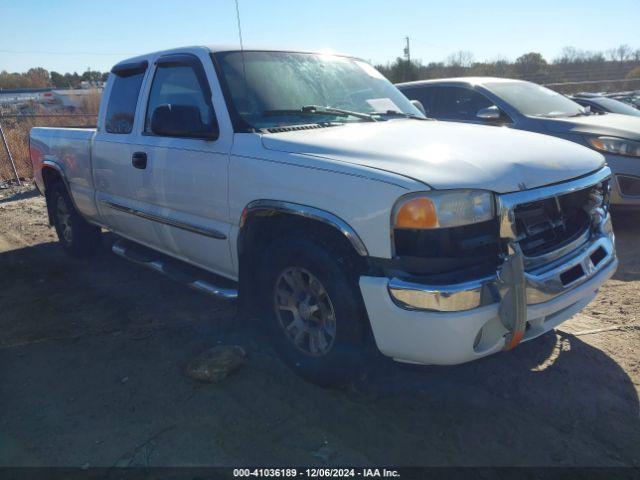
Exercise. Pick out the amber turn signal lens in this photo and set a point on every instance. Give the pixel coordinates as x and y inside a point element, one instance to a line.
<point>597,143</point>
<point>417,213</point>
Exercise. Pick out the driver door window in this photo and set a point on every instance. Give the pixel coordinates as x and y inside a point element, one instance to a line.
<point>459,104</point>
<point>179,94</point>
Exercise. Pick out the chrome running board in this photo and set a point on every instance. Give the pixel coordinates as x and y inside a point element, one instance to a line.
<point>178,271</point>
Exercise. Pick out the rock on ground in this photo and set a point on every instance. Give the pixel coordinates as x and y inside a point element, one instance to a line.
<point>217,363</point>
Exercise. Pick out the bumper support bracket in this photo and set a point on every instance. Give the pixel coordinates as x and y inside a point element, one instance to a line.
<point>513,305</point>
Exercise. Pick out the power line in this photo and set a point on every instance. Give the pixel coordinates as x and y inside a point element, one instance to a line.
<point>46,52</point>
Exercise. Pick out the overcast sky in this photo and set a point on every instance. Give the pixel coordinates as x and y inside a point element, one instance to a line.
<point>71,35</point>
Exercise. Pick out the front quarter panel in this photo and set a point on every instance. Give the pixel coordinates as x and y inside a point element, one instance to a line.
<point>363,202</point>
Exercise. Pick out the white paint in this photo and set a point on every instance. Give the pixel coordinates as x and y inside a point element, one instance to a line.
<point>355,171</point>
<point>446,338</point>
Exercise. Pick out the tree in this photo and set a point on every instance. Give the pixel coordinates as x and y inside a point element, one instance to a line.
<point>530,64</point>
<point>91,76</point>
<point>58,80</point>
<point>461,58</point>
<point>38,78</point>
<point>401,70</point>
<point>72,80</point>
<point>568,55</point>
<point>620,53</point>
<point>501,67</point>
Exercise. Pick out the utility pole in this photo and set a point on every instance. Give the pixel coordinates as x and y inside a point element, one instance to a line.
<point>407,50</point>
<point>407,56</point>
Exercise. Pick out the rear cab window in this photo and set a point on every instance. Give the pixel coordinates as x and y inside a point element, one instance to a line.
<point>123,98</point>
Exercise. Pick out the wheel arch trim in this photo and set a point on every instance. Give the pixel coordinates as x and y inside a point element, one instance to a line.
<point>306,211</point>
<point>53,165</point>
<point>58,168</point>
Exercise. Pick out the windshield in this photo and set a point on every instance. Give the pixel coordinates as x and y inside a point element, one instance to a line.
<point>535,100</point>
<point>281,86</point>
<point>616,106</point>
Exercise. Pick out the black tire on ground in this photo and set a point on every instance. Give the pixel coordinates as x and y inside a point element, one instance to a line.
<point>77,236</point>
<point>326,278</point>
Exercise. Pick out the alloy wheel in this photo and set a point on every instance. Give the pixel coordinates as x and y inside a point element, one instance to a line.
<point>305,311</point>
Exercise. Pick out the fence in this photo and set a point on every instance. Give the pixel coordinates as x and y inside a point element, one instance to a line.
<point>15,164</point>
<point>613,85</point>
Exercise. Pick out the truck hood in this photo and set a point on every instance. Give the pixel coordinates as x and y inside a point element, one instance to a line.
<point>613,124</point>
<point>446,155</point>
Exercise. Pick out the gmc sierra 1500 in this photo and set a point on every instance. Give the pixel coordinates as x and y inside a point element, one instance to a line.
<point>308,186</point>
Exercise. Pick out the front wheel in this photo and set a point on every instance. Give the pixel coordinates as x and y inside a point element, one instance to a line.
<point>77,236</point>
<point>315,314</point>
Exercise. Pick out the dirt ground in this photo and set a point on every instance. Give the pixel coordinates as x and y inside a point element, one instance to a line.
<point>93,352</point>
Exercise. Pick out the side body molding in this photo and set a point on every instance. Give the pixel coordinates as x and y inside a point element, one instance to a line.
<point>207,232</point>
<point>278,206</point>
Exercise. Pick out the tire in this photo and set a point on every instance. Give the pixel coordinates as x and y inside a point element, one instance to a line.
<point>321,350</point>
<point>78,237</point>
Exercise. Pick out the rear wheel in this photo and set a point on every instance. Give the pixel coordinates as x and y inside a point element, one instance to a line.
<point>77,236</point>
<point>315,314</point>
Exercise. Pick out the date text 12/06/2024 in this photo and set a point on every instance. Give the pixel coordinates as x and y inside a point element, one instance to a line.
<point>316,473</point>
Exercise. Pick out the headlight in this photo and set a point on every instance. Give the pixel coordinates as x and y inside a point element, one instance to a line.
<point>443,209</point>
<point>619,146</point>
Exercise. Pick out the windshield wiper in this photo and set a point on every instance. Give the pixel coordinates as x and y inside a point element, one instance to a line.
<point>318,110</point>
<point>551,115</point>
<point>582,114</point>
<point>396,113</point>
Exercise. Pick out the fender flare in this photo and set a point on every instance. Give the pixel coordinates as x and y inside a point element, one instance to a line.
<point>48,163</point>
<point>305,211</point>
<point>52,164</point>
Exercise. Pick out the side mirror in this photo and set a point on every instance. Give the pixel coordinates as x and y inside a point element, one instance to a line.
<point>489,113</point>
<point>172,120</point>
<point>419,106</point>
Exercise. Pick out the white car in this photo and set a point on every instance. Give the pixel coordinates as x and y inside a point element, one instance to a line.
<point>309,188</point>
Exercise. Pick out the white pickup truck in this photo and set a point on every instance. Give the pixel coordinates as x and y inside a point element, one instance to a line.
<point>308,187</point>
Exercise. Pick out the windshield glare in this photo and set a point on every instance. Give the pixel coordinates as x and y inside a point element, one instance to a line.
<point>535,100</point>
<point>285,81</point>
<point>616,106</point>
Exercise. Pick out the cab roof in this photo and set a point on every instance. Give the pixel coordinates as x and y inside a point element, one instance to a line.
<point>229,47</point>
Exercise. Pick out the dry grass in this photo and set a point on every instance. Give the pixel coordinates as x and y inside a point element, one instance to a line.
<point>91,103</point>
<point>16,131</point>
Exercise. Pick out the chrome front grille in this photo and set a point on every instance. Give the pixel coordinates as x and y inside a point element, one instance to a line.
<point>546,225</point>
<point>550,222</point>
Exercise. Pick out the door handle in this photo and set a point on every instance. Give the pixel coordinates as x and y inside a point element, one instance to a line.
<point>139,160</point>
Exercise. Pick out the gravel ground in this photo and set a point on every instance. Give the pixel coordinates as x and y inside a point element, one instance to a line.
<point>92,373</point>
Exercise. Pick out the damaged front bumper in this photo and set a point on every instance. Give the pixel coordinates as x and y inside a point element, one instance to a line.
<point>526,297</point>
